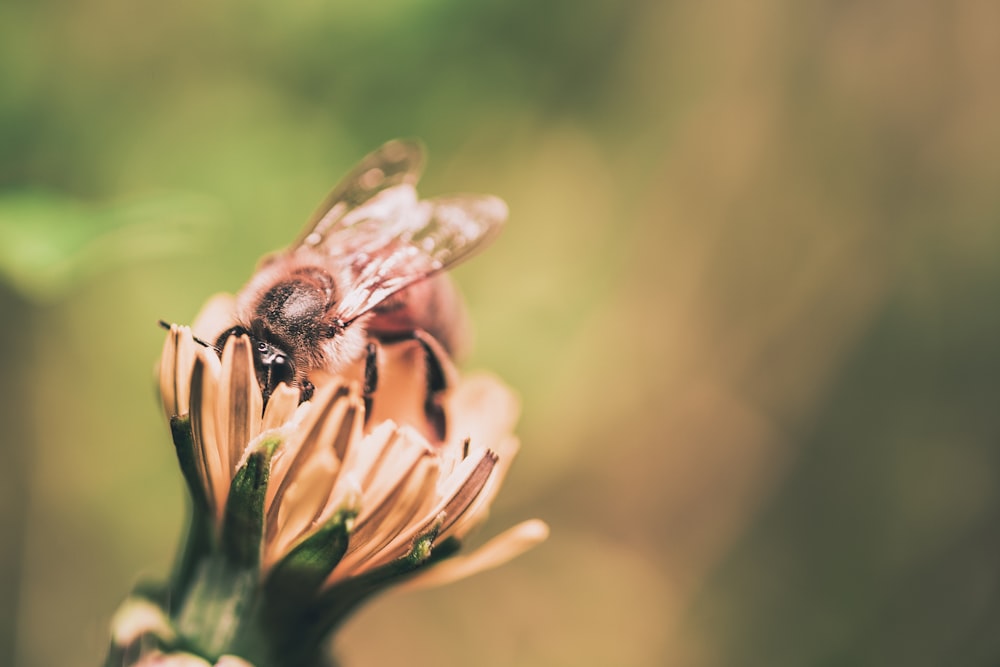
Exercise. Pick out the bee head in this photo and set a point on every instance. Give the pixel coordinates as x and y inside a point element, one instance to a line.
<point>272,364</point>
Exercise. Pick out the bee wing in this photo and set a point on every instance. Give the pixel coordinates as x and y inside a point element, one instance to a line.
<point>420,239</point>
<point>395,163</point>
<point>376,230</point>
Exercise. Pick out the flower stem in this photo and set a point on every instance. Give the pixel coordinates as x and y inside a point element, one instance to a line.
<point>216,605</point>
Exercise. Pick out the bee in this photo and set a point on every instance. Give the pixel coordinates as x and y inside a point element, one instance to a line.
<point>368,268</point>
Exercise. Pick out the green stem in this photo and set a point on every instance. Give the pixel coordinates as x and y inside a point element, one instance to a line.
<point>220,599</point>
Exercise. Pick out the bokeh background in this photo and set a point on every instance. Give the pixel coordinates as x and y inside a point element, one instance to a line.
<point>748,294</point>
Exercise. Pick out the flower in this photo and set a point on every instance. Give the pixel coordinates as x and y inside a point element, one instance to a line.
<point>303,510</point>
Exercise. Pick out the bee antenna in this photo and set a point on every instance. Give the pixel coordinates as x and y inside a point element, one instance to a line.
<point>205,344</point>
<point>166,325</point>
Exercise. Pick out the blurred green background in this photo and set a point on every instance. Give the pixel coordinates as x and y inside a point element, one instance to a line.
<point>748,294</point>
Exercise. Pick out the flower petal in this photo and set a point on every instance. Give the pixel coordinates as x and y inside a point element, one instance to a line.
<point>232,661</point>
<point>310,419</point>
<point>456,503</point>
<point>309,481</point>
<point>176,364</point>
<point>461,490</point>
<point>280,407</point>
<point>402,387</point>
<point>137,617</point>
<point>479,509</point>
<point>504,547</point>
<point>158,659</point>
<point>394,452</point>
<point>379,525</point>
<point>240,403</point>
<point>204,392</point>
<point>482,409</point>
<point>168,373</point>
<point>301,503</point>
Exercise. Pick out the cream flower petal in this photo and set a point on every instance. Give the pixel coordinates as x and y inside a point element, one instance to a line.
<point>158,659</point>
<point>347,438</point>
<point>369,541</point>
<point>479,509</point>
<point>232,661</point>
<point>168,373</point>
<point>399,451</point>
<point>482,409</point>
<point>239,402</point>
<point>381,446</point>
<point>470,487</point>
<point>137,617</point>
<point>402,497</point>
<point>461,490</point>
<point>303,501</point>
<point>280,407</point>
<point>176,364</point>
<point>303,492</point>
<point>402,387</point>
<point>506,546</point>
<point>204,397</point>
<point>326,407</point>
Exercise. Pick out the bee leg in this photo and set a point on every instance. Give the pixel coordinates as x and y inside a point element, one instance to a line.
<point>371,376</point>
<point>437,382</point>
<point>306,389</point>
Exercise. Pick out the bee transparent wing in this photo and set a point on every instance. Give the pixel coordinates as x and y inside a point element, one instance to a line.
<point>380,237</point>
<point>396,163</point>
<point>397,240</point>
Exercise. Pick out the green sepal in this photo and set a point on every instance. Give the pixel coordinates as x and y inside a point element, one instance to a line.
<point>337,603</point>
<point>339,600</point>
<point>198,543</point>
<point>299,575</point>
<point>200,537</point>
<point>243,521</point>
<point>183,436</point>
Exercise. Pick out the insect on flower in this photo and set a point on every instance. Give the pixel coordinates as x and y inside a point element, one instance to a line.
<point>308,500</point>
<point>367,268</point>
